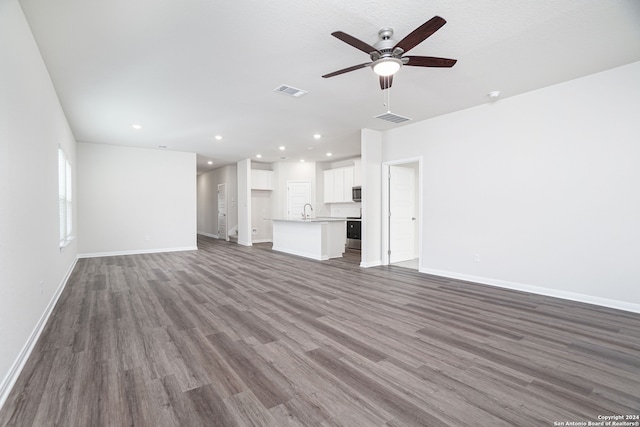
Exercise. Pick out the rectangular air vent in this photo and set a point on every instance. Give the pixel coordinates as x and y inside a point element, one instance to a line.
<point>393,118</point>
<point>289,90</point>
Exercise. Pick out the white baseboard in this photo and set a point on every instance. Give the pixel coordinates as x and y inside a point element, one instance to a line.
<point>215,236</point>
<point>301,253</point>
<point>588,299</point>
<point>244,243</point>
<point>14,372</point>
<point>262,241</point>
<point>137,252</point>
<point>369,264</point>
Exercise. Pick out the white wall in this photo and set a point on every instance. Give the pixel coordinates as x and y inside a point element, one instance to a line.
<point>32,126</point>
<point>208,199</point>
<point>135,200</point>
<point>542,186</point>
<point>371,245</point>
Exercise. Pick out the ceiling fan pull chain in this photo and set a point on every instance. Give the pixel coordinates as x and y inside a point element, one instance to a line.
<point>388,98</point>
<point>384,99</point>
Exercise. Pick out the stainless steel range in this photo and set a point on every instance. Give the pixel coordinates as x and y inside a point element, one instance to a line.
<point>353,233</point>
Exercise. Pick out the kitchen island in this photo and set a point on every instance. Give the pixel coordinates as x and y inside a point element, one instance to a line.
<point>315,238</point>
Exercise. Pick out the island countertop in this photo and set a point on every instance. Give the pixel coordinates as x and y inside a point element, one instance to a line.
<point>320,219</point>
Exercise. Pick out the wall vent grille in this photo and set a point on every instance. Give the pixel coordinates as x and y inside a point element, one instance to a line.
<point>290,90</point>
<point>393,118</point>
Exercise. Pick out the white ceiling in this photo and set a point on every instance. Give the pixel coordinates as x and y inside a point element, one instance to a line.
<point>191,69</point>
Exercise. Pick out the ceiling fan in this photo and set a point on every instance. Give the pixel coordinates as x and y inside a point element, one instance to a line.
<point>386,54</point>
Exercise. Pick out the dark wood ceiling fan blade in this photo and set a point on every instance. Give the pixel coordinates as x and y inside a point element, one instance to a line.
<point>358,44</point>
<point>421,33</point>
<point>385,82</point>
<point>430,61</point>
<point>346,70</point>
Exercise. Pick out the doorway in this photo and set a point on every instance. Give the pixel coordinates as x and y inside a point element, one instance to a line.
<point>402,223</point>
<point>298,194</point>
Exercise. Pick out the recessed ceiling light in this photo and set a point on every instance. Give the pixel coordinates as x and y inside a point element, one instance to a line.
<point>282,148</point>
<point>209,162</point>
<point>301,160</point>
<point>317,136</point>
<point>494,94</point>
<point>136,126</point>
<point>259,156</point>
<point>218,137</point>
<point>329,154</point>
<point>311,148</point>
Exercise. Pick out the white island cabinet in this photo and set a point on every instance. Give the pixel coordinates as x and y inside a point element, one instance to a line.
<point>315,238</point>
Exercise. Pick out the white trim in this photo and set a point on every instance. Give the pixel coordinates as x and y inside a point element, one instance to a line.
<point>376,263</point>
<point>14,372</point>
<point>136,252</point>
<point>588,299</point>
<point>302,254</point>
<point>262,241</point>
<point>215,236</point>
<point>244,243</point>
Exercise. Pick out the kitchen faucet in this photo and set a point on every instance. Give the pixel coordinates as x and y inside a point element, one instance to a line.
<point>304,210</point>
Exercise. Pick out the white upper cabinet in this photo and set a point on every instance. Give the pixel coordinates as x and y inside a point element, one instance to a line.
<point>262,180</point>
<point>337,185</point>
<point>328,186</point>
<point>348,183</point>
<point>357,172</point>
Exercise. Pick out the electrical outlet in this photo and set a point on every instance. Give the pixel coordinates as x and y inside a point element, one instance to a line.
<point>254,230</point>
<point>476,258</point>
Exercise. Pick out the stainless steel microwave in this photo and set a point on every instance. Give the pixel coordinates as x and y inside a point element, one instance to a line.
<point>356,194</point>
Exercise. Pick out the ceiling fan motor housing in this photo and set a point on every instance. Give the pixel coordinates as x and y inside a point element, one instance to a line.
<point>387,59</point>
<point>386,46</point>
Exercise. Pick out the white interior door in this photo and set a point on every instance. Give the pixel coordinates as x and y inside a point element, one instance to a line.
<point>222,212</point>
<point>298,194</point>
<point>402,214</point>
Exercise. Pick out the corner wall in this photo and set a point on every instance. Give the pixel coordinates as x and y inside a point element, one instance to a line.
<point>135,200</point>
<point>244,202</point>
<point>542,186</point>
<point>371,147</point>
<point>33,269</point>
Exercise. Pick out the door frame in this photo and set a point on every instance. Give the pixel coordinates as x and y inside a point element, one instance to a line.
<point>385,206</point>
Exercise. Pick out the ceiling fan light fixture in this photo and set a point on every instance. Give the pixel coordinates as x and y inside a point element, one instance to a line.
<point>386,66</point>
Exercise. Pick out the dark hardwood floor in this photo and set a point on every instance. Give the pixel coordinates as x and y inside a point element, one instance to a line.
<point>231,335</point>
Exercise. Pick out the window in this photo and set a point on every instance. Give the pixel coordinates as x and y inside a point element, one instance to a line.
<point>65,201</point>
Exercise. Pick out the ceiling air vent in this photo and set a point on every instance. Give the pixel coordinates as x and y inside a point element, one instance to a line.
<point>393,118</point>
<point>290,90</point>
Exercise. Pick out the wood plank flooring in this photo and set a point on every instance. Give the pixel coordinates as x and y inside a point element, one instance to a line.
<point>237,336</point>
